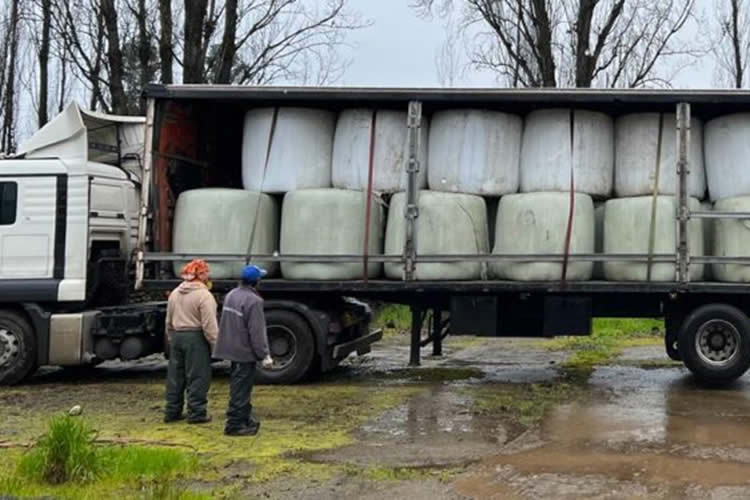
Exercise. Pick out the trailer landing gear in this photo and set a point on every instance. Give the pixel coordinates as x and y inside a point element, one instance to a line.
<point>438,330</point>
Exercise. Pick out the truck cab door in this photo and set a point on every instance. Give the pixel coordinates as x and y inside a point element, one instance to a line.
<point>28,206</point>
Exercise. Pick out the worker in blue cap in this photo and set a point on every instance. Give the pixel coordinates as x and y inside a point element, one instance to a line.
<point>243,341</point>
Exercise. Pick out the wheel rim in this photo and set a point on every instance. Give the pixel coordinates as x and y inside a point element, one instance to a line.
<point>717,342</point>
<point>283,346</point>
<point>8,347</point>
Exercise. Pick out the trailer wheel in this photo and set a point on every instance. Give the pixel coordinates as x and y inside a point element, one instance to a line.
<point>715,343</point>
<point>292,347</point>
<point>17,348</point>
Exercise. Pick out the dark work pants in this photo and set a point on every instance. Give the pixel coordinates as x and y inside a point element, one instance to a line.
<point>189,369</point>
<point>240,389</point>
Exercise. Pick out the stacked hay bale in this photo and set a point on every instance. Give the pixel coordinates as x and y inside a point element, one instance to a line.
<point>642,219</point>
<point>727,154</point>
<point>306,174</point>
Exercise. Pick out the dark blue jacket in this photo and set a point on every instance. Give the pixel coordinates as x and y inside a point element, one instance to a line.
<point>242,330</point>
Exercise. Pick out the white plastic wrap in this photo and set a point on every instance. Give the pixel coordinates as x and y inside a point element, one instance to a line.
<point>474,151</point>
<point>599,208</point>
<point>627,223</point>
<point>636,146</point>
<point>536,223</point>
<point>448,223</point>
<point>732,239</point>
<point>728,156</point>
<point>218,221</point>
<point>708,238</point>
<point>351,151</point>
<point>329,222</point>
<point>301,149</point>
<point>546,156</point>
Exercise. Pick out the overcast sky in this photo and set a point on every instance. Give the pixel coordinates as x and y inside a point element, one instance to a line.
<point>400,48</point>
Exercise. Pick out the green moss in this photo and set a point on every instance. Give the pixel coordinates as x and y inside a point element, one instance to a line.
<point>295,420</point>
<point>407,473</point>
<point>609,338</point>
<point>433,375</point>
<point>526,404</point>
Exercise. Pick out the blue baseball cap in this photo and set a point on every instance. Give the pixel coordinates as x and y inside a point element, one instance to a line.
<point>252,273</point>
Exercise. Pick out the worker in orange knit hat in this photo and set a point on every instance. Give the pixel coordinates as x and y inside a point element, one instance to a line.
<point>191,329</point>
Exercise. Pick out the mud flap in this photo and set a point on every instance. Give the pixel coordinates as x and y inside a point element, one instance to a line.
<point>567,316</point>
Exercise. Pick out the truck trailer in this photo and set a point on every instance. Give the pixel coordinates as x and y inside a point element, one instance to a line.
<point>87,243</point>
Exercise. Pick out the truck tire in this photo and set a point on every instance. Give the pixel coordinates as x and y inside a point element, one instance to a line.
<point>292,347</point>
<point>17,348</point>
<point>714,343</point>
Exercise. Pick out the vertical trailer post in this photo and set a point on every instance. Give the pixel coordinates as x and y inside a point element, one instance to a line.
<point>417,317</point>
<point>683,212</point>
<point>412,169</point>
<point>148,161</point>
<point>437,332</point>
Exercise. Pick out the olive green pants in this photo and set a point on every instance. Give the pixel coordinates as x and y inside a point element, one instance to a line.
<point>189,370</point>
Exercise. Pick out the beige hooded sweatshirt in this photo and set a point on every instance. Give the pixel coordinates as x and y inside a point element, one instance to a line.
<point>192,307</point>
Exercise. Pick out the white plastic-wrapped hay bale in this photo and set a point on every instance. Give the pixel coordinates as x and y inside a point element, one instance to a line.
<point>546,152</point>
<point>728,156</point>
<point>647,142</point>
<point>536,223</point>
<point>220,221</point>
<point>599,208</point>
<point>329,222</point>
<point>474,151</point>
<point>732,239</point>
<point>351,150</point>
<point>448,223</point>
<point>301,145</point>
<point>627,230</point>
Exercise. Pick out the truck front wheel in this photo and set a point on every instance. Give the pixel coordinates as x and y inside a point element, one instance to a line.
<point>714,343</point>
<point>17,348</point>
<point>292,347</point>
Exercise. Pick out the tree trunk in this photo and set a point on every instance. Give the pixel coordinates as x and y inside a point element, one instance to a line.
<point>144,51</point>
<point>195,16</point>
<point>165,42</point>
<point>228,48</point>
<point>44,62</point>
<point>7,142</point>
<point>544,43</point>
<point>114,58</point>
<point>584,66</point>
<point>739,70</point>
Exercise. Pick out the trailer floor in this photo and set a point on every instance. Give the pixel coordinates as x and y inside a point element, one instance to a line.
<point>494,418</point>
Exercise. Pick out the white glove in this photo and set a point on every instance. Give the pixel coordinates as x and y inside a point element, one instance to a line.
<point>267,362</point>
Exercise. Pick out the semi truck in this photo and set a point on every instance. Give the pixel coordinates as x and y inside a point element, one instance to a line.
<point>86,229</point>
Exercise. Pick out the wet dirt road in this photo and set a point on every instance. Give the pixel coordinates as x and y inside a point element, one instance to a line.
<point>497,418</point>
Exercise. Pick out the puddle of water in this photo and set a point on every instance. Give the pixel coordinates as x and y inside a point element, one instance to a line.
<point>440,413</point>
<point>638,466</point>
<point>653,407</point>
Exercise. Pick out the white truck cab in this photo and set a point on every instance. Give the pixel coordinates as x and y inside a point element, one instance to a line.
<point>69,203</point>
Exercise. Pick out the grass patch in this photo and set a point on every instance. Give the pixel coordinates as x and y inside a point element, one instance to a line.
<point>394,319</point>
<point>66,453</point>
<point>610,336</point>
<point>66,462</point>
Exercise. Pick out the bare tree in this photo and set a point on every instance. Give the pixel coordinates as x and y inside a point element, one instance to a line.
<point>732,45</point>
<point>582,43</point>
<point>44,49</point>
<point>7,134</point>
<point>195,24</point>
<point>166,54</point>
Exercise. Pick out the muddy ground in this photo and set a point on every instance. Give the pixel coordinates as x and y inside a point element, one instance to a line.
<point>493,418</point>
